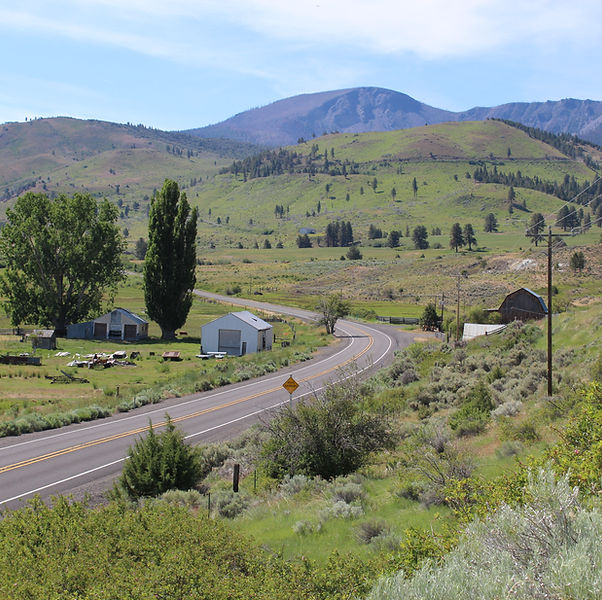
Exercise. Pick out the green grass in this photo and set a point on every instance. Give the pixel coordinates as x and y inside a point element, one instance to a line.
<point>26,389</point>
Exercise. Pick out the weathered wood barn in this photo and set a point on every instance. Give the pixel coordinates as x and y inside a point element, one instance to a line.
<point>119,324</point>
<point>237,333</point>
<point>522,305</point>
<point>43,338</point>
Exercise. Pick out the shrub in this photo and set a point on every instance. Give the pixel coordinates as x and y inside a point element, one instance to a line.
<point>548,548</point>
<point>410,490</point>
<point>290,486</point>
<point>303,528</point>
<point>368,530</point>
<point>508,409</point>
<point>330,436</point>
<point>347,492</point>
<point>229,504</point>
<point>474,414</point>
<point>188,498</point>
<point>160,462</point>
<point>509,448</point>
<point>341,510</point>
<point>580,450</point>
<point>212,457</point>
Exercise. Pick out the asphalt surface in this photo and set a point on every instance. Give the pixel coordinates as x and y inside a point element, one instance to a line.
<point>84,459</point>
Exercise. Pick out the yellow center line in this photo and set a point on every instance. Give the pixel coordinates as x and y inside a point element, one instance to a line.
<point>117,436</point>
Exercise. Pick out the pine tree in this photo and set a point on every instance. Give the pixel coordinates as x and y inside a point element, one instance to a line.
<point>420,237</point>
<point>536,227</point>
<point>456,239</point>
<point>169,265</point>
<point>469,236</point>
<point>490,223</point>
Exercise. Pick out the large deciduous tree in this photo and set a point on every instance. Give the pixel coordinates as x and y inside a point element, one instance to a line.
<point>332,309</point>
<point>62,256</point>
<point>169,265</point>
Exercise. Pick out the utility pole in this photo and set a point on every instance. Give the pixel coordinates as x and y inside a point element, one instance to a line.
<point>549,311</point>
<point>458,311</point>
<point>462,274</point>
<point>550,351</point>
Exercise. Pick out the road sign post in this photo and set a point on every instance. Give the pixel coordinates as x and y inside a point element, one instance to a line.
<point>290,385</point>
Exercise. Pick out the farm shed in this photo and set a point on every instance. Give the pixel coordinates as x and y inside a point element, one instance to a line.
<point>119,324</point>
<point>43,338</point>
<point>237,333</point>
<point>521,305</point>
<point>473,330</point>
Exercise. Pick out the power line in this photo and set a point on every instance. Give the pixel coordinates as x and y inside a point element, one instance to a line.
<point>542,223</point>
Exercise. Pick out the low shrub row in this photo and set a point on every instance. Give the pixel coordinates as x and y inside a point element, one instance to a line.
<point>34,421</point>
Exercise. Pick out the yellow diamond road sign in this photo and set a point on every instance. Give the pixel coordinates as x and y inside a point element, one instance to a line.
<point>290,385</point>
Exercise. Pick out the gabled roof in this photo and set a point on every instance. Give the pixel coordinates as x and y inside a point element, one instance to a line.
<point>130,314</point>
<point>541,300</point>
<point>43,333</point>
<point>246,317</point>
<point>251,319</point>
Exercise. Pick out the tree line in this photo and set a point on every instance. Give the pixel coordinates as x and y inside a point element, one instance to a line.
<point>569,190</point>
<point>281,161</point>
<point>566,143</point>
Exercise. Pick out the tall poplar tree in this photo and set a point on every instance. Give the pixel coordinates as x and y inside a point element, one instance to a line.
<point>169,264</point>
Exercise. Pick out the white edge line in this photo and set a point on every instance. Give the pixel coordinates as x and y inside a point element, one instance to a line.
<point>158,410</point>
<point>191,435</point>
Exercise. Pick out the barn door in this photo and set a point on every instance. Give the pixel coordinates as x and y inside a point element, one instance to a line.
<point>229,341</point>
<point>129,332</point>
<point>100,330</point>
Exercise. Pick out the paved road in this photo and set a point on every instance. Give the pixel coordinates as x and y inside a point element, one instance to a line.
<point>60,461</point>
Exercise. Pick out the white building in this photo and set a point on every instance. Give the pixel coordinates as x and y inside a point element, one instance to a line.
<point>237,333</point>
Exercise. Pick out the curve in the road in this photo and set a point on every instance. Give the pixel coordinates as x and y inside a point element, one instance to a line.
<point>60,448</point>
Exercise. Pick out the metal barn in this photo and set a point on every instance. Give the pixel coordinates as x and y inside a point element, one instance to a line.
<point>119,324</point>
<point>236,334</point>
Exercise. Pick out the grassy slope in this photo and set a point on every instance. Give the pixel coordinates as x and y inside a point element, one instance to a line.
<point>441,199</point>
<point>25,389</point>
<point>271,521</point>
<point>68,155</point>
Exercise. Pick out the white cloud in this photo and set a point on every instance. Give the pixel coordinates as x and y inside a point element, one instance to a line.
<point>431,29</point>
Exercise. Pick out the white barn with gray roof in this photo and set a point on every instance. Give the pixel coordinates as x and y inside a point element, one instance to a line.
<point>236,334</point>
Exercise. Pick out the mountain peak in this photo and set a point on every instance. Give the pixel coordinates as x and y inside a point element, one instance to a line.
<point>362,109</point>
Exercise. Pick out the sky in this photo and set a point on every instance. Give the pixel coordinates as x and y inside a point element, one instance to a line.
<point>181,64</point>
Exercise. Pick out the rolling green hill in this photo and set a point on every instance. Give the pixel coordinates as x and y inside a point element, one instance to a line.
<point>441,158</point>
<point>123,162</point>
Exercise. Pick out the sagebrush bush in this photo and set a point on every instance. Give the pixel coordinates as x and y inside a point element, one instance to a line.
<point>187,498</point>
<point>509,448</point>
<point>549,548</point>
<point>290,486</point>
<point>507,409</point>
<point>303,528</point>
<point>341,510</point>
<point>347,491</point>
<point>229,504</point>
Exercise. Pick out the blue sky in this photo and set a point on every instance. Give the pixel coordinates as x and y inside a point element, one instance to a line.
<point>181,64</point>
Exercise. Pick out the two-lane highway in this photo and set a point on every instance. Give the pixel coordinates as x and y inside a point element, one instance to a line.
<point>59,461</point>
